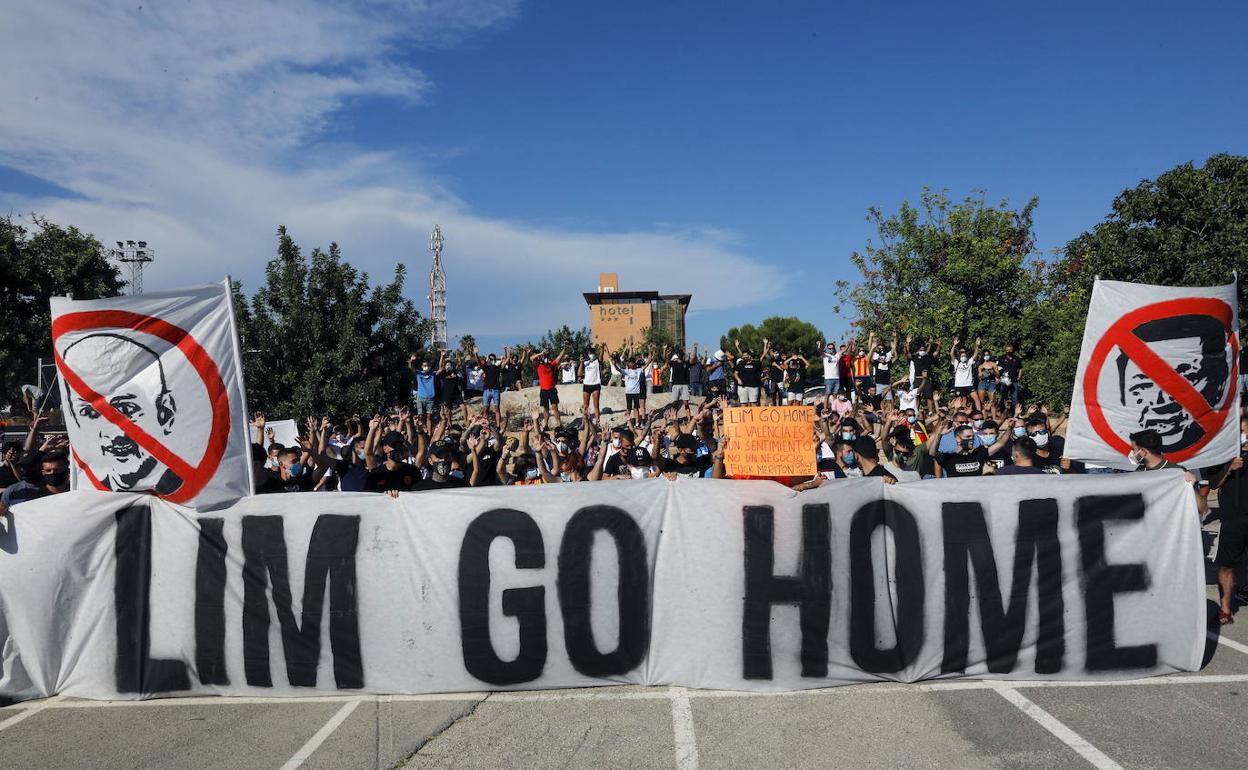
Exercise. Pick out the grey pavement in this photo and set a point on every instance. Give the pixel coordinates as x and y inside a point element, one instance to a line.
<point>1184,721</point>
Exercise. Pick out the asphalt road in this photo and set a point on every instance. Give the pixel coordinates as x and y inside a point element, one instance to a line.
<point>1184,721</point>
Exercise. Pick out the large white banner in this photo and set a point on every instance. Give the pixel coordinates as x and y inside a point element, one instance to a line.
<point>714,584</point>
<point>1163,358</point>
<point>152,388</point>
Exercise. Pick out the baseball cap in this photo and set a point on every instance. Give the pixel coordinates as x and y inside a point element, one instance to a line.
<point>637,456</point>
<point>719,355</point>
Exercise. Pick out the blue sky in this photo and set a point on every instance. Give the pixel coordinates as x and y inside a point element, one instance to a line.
<point>728,150</point>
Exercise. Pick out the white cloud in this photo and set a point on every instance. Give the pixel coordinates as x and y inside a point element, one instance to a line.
<point>193,125</point>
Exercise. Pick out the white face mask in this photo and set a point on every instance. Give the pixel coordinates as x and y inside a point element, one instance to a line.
<point>637,473</point>
<point>1243,438</point>
<point>1041,438</point>
<point>615,443</point>
<point>1133,457</point>
<point>979,424</point>
<point>963,359</point>
<point>562,447</point>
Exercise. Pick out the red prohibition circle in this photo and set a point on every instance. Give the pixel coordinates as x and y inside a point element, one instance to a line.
<point>194,477</point>
<point>1120,335</point>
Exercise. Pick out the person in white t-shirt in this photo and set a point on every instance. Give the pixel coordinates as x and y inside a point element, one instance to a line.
<point>567,373</point>
<point>908,393</point>
<point>963,368</point>
<point>590,372</point>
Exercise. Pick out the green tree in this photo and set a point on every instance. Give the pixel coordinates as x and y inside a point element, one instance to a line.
<point>576,342</point>
<point>35,265</point>
<point>657,337</point>
<point>1187,227</point>
<point>787,335</point>
<point>467,346</point>
<point>318,339</point>
<point>943,270</point>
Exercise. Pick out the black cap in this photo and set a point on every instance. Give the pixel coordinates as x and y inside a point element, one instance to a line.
<point>637,456</point>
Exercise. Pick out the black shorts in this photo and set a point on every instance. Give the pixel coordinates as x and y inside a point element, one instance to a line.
<point>591,388</point>
<point>965,390</point>
<point>632,400</point>
<point>1232,543</point>
<point>548,397</point>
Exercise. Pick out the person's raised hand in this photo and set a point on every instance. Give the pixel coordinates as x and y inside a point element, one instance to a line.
<point>268,433</point>
<point>375,423</point>
<point>889,480</point>
<point>259,419</point>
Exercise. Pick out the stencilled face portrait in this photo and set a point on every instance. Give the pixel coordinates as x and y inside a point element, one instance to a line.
<point>129,376</point>
<point>1194,346</point>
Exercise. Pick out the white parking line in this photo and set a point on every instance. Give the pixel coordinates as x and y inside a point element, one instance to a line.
<point>27,713</point>
<point>682,730</point>
<point>1059,729</point>
<point>316,740</point>
<point>1234,645</point>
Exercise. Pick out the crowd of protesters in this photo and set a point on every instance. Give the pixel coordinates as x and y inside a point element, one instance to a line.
<point>901,410</point>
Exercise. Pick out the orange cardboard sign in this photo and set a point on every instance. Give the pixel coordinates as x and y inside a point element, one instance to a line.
<point>770,441</point>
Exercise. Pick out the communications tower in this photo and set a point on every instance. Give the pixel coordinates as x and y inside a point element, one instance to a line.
<point>437,291</point>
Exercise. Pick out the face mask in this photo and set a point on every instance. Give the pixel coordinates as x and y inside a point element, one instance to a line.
<point>441,468</point>
<point>978,424</point>
<point>922,354</point>
<point>565,476</point>
<point>1020,432</point>
<point>359,453</point>
<point>988,438</point>
<point>1243,438</point>
<point>637,473</point>
<point>848,435</point>
<point>967,443</point>
<point>532,473</point>
<point>911,419</point>
<point>849,458</point>
<point>56,478</point>
<point>457,474</point>
<point>1041,438</point>
<point>295,470</point>
<point>963,359</point>
<point>562,446</point>
<point>424,370</point>
<point>615,443</point>
<point>844,397</point>
<point>1133,457</point>
<point>492,443</point>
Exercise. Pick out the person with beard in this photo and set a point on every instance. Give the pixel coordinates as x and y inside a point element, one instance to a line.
<point>41,476</point>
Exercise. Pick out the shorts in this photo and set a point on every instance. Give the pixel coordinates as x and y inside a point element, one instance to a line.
<point>1232,543</point>
<point>985,386</point>
<point>831,385</point>
<point>747,394</point>
<point>424,405</point>
<point>549,397</point>
<point>632,400</point>
<point>680,392</point>
<point>795,389</point>
<point>965,390</point>
<point>491,397</point>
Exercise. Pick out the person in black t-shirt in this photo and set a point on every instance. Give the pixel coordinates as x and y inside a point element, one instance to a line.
<point>492,395</point>
<point>290,475</point>
<point>795,375</point>
<point>968,459</point>
<point>749,377</point>
<point>450,387</point>
<point>684,460</point>
<point>1010,368</point>
<point>867,455</point>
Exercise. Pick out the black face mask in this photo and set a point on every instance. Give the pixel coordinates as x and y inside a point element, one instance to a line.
<point>56,478</point>
<point>968,443</point>
<point>442,468</point>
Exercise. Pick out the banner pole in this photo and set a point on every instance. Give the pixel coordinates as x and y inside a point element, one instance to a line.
<point>242,384</point>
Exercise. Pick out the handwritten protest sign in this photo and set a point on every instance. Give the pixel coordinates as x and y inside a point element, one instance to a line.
<point>769,441</point>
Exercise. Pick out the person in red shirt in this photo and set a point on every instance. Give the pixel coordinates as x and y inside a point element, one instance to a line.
<point>547,375</point>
